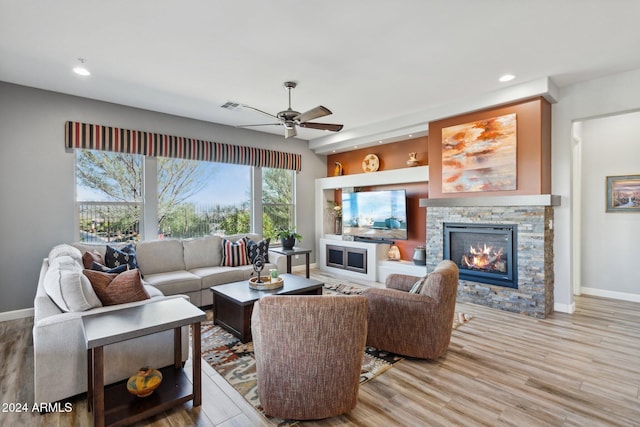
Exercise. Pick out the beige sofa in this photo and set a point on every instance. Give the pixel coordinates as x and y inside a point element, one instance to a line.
<point>171,269</point>
<point>190,266</point>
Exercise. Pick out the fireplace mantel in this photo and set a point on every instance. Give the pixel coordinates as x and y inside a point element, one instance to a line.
<point>532,200</point>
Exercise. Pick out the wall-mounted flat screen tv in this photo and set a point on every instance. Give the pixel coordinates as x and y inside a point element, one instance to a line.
<point>375,215</point>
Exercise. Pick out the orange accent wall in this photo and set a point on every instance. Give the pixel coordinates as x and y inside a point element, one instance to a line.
<point>393,156</point>
<point>533,155</point>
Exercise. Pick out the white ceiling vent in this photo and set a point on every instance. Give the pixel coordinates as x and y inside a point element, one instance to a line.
<point>230,105</point>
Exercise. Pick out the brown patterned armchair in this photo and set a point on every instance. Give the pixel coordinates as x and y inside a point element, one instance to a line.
<point>309,352</point>
<point>415,325</point>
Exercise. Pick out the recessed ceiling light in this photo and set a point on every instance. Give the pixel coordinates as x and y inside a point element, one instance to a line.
<point>81,69</point>
<point>506,78</point>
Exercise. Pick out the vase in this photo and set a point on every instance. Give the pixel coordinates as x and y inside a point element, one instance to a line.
<point>337,226</point>
<point>288,243</point>
<point>420,256</point>
<point>144,382</point>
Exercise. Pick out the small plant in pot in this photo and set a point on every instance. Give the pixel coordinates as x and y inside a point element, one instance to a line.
<point>288,237</point>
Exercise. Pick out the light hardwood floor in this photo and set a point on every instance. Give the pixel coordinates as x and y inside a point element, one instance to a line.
<point>581,369</point>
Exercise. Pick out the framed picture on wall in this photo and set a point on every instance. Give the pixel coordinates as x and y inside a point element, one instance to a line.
<point>623,193</point>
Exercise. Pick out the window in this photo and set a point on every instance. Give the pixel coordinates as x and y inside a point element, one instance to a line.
<point>191,198</point>
<point>109,195</point>
<point>278,204</point>
<point>197,198</point>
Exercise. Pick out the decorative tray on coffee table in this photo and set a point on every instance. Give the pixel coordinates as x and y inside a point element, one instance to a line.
<point>266,284</point>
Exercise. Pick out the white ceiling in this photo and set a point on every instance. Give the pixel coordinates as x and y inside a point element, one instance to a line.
<point>369,61</point>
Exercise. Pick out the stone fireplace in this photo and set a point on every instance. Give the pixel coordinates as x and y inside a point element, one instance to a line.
<point>523,222</point>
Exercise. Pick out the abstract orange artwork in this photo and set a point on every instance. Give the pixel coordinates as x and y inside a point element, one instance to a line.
<point>480,155</point>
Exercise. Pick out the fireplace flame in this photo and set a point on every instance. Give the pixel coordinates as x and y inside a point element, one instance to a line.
<point>484,258</point>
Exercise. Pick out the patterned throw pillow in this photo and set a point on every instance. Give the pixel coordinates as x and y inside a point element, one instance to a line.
<point>417,287</point>
<point>96,266</point>
<point>115,289</point>
<point>116,257</point>
<point>254,249</point>
<point>234,254</point>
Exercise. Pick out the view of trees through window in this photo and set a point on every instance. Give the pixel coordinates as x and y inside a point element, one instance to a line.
<point>194,198</point>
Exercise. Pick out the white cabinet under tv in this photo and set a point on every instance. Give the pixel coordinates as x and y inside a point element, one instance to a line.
<point>352,259</point>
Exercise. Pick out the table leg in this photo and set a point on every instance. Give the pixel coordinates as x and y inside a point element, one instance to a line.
<point>196,364</point>
<point>307,262</point>
<point>98,387</point>
<point>89,379</point>
<point>289,264</point>
<point>177,348</point>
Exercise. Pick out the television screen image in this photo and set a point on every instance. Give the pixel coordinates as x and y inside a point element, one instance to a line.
<point>375,215</point>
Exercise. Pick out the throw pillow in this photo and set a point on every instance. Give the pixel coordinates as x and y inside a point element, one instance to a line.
<point>234,254</point>
<point>115,289</point>
<point>417,287</point>
<point>254,249</point>
<point>117,270</point>
<point>89,257</point>
<point>115,257</point>
<point>67,287</point>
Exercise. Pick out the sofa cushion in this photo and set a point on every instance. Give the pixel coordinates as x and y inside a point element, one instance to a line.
<point>115,257</point>
<point>260,248</point>
<point>89,257</point>
<point>115,289</point>
<point>204,252</point>
<point>65,250</point>
<point>67,287</point>
<point>158,256</point>
<point>174,282</point>
<point>417,287</point>
<point>218,275</point>
<point>234,254</point>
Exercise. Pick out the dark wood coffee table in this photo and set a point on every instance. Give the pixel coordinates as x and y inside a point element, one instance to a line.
<point>233,302</point>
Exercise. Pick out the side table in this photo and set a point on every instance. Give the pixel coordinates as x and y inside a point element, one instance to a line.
<point>291,252</point>
<point>114,405</point>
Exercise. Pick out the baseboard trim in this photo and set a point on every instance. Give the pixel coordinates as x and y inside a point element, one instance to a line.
<point>302,267</point>
<point>610,294</point>
<point>16,314</point>
<point>565,308</point>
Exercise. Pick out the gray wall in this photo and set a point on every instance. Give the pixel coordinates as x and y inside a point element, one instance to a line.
<point>37,175</point>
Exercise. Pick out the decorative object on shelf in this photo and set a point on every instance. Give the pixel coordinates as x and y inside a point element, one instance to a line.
<point>337,171</point>
<point>480,155</point>
<point>371,163</point>
<point>337,225</point>
<point>264,283</point>
<point>623,193</point>
<point>288,237</point>
<point>413,161</point>
<point>420,255</point>
<point>144,382</point>
<point>258,266</point>
<point>394,253</point>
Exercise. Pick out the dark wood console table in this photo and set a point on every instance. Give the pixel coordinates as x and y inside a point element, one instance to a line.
<point>291,252</point>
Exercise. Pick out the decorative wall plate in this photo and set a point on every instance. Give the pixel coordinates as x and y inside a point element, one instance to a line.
<point>371,163</point>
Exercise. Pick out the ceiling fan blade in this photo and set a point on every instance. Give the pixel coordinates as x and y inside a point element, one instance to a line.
<point>322,126</point>
<point>289,132</point>
<point>259,111</point>
<point>314,113</point>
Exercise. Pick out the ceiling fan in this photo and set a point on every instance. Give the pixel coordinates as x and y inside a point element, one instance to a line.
<point>290,118</point>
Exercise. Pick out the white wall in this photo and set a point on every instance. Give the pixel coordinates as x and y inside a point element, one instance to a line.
<point>37,175</point>
<point>610,242</point>
<point>605,96</point>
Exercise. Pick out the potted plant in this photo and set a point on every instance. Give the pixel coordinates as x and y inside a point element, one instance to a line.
<point>288,237</point>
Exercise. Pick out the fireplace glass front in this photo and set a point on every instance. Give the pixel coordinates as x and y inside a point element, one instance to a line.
<point>483,252</point>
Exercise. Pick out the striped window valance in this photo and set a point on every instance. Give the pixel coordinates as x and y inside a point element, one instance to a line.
<point>107,138</point>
